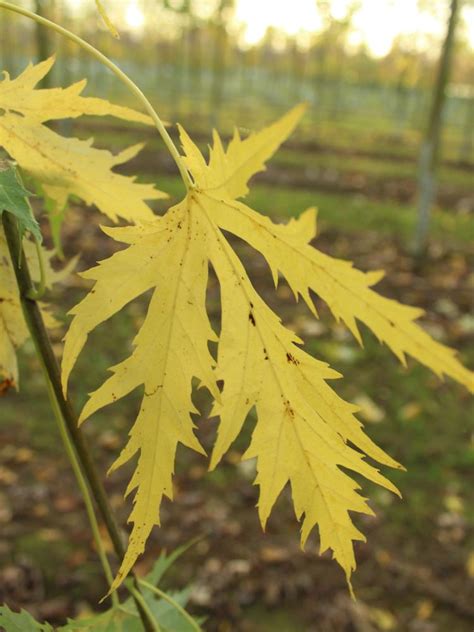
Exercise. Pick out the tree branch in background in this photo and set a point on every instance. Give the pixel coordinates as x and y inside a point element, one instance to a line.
<point>429,154</point>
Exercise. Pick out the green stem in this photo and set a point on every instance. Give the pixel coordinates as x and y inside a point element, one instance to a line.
<point>139,598</point>
<point>12,236</point>
<point>119,73</point>
<point>35,294</point>
<point>49,363</point>
<point>86,495</point>
<point>172,602</point>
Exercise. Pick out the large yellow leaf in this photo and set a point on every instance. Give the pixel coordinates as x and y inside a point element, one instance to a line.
<point>305,433</point>
<point>302,425</point>
<point>13,329</point>
<point>68,166</point>
<point>168,255</point>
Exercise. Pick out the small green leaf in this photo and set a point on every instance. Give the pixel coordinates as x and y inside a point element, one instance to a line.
<point>21,621</point>
<point>166,614</point>
<point>114,620</point>
<point>165,561</point>
<point>14,200</point>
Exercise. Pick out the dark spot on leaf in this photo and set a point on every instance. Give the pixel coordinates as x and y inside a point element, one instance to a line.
<point>291,358</point>
<point>289,410</point>
<point>252,318</point>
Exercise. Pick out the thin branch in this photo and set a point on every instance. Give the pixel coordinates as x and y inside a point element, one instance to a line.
<point>140,599</point>
<point>86,495</point>
<point>120,74</point>
<point>39,334</point>
<point>37,293</point>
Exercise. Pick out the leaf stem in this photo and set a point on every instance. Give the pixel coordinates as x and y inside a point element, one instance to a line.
<point>140,599</point>
<point>35,293</point>
<point>86,495</point>
<point>119,73</point>
<point>20,265</point>
<point>172,602</point>
<point>63,407</point>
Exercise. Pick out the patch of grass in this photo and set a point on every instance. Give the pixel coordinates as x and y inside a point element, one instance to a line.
<point>269,619</point>
<point>370,168</point>
<point>368,129</point>
<point>48,553</point>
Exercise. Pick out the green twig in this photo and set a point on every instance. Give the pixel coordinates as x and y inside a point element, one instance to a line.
<point>140,599</point>
<point>63,408</point>
<point>36,293</point>
<point>120,74</point>
<point>13,239</point>
<point>86,495</point>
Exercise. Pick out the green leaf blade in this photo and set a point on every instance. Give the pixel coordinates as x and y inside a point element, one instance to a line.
<point>22,621</point>
<point>14,200</point>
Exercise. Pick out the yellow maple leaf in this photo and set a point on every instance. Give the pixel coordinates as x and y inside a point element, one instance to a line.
<point>69,166</point>
<point>168,255</point>
<point>304,430</point>
<point>13,329</point>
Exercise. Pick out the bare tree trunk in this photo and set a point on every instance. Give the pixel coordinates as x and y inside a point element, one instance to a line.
<point>430,147</point>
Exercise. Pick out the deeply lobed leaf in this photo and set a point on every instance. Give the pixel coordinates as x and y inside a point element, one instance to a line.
<point>176,265</point>
<point>305,434</point>
<point>69,166</point>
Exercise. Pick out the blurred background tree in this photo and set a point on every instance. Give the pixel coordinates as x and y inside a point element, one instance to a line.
<point>44,46</point>
<point>430,147</point>
<point>336,52</point>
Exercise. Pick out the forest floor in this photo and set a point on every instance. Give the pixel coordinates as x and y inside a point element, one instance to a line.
<point>416,572</point>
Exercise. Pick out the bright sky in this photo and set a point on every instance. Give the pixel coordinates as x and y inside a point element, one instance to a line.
<point>377,23</point>
<point>134,16</point>
<point>291,17</point>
